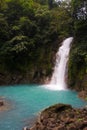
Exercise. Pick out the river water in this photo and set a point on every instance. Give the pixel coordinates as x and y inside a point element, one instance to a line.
<point>28,100</point>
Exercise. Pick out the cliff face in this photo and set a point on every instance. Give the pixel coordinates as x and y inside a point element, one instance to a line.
<point>31,76</point>
<point>78,58</point>
<point>77,73</point>
<point>36,70</point>
<point>32,70</point>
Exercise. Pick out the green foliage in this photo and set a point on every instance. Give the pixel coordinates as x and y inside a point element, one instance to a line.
<point>79,9</point>
<point>3,5</point>
<point>78,55</point>
<point>81,30</point>
<point>28,33</point>
<point>4,32</point>
<point>29,30</point>
<point>42,2</point>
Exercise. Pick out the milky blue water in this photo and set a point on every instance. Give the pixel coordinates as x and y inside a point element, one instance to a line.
<point>28,100</point>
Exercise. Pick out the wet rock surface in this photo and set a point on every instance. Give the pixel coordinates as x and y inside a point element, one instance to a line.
<point>5,104</point>
<point>1,103</point>
<point>83,95</point>
<point>61,117</point>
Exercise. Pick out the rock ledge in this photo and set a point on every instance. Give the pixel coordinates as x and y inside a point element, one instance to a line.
<point>61,117</point>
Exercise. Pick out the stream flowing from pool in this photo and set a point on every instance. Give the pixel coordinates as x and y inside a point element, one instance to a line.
<point>28,100</point>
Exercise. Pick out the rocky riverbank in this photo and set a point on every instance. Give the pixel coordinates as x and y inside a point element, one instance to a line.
<point>83,95</point>
<point>61,117</point>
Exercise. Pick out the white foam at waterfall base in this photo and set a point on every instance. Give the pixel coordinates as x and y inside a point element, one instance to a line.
<point>54,87</point>
<point>58,78</point>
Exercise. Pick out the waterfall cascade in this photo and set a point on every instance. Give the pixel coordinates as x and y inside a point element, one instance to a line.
<point>58,78</point>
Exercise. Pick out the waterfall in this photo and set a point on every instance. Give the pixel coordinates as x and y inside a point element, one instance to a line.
<point>58,78</point>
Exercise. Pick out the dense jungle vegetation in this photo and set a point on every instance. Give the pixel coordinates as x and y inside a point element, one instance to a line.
<point>78,56</point>
<point>30,34</point>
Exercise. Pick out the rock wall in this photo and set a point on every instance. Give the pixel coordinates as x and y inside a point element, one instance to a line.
<point>22,78</point>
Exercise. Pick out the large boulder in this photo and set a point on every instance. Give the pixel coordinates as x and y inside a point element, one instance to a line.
<point>61,117</point>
